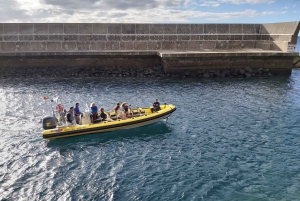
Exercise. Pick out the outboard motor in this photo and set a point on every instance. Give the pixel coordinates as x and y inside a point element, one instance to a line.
<point>49,123</point>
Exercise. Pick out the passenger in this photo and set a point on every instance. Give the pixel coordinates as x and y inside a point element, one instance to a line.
<point>62,112</point>
<point>77,113</point>
<point>156,106</point>
<point>70,116</point>
<point>125,107</point>
<point>118,112</point>
<point>104,116</point>
<point>94,111</point>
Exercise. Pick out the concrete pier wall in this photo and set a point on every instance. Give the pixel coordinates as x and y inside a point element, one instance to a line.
<point>52,49</point>
<point>103,36</point>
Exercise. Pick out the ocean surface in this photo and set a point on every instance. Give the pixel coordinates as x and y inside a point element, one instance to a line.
<point>298,45</point>
<point>229,139</point>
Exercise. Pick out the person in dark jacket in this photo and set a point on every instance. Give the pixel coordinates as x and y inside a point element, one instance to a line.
<point>104,116</point>
<point>70,116</point>
<point>156,106</point>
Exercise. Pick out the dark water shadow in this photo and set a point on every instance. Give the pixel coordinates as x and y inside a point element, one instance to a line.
<point>147,132</point>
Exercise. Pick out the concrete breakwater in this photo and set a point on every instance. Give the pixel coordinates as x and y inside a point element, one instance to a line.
<point>96,49</point>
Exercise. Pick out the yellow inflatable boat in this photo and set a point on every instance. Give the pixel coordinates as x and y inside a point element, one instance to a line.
<point>137,117</point>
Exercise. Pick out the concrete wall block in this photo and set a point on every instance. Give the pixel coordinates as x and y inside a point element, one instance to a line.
<point>249,37</point>
<point>112,45</point>
<point>236,28</point>
<point>264,37</point>
<point>11,29</point>
<point>69,46</point>
<point>114,28</point>
<point>248,44</point>
<point>71,28</point>
<point>224,37</point>
<point>208,44</point>
<point>40,28</point>
<point>99,46</point>
<point>195,45</point>
<point>210,28</point>
<point>249,29</point>
<point>11,38</point>
<point>221,44</point>
<point>84,46</point>
<point>182,45</point>
<point>234,44</point>
<point>169,28</point>
<point>141,45</point>
<point>128,38</point>
<point>170,38</point>
<point>210,37</point>
<point>8,46</point>
<point>128,28</point>
<point>222,28</point>
<point>1,28</point>
<point>71,37</point>
<point>113,37</point>
<point>26,38</point>
<point>263,45</point>
<point>100,37</point>
<point>142,28</point>
<point>290,27</point>
<point>40,37</point>
<point>85,38</point>
<point>127,45</point>
<point>236,37</point>
<point>99,28</point>
<point>154,45</point>
<point>142,38</point>
<point>183,37</point>
<point>183,28</point>
<point>156,37</point>
<point>166,45</point>
<point>156,28</point>
<point>25,28</point>
<point>278,28</point>
<point>267,28</point>
<point>53,46</point>
<point>56,37</point>
<point>1,38</point>
<point>197,28</point>
<point>196,37</point>
<point>56,28</point>
<point>24,46</point>
<point>38,46</point>
<point>85,28</point>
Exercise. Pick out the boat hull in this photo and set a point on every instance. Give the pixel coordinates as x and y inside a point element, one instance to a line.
<point>144,119</point>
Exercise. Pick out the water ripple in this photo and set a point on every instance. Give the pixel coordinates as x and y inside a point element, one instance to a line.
<point>229,139</point>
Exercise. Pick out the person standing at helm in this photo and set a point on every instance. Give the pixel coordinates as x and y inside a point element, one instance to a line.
<point>77,113</point>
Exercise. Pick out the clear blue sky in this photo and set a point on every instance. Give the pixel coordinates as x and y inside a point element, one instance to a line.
<point>150,11</point>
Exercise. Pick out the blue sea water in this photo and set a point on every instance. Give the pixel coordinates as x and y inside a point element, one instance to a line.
<point>298,45</point>
<point>229,139</point>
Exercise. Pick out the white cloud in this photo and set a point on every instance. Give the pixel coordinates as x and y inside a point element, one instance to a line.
<point>210,3</point>
<point>149,11</point>
<point>247,1</point>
